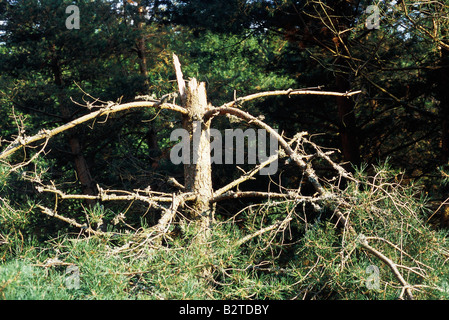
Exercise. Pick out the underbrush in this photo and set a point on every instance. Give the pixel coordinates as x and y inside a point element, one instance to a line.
<point>307,253</point>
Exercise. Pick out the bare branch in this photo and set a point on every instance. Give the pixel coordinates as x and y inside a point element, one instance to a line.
<point>46,134</point>
<point>108,195</point>
<point>35,156</point>
<point>245,177</point>
<point>263,230</point>
<point>400,250</point>
<point>289,92</point>
<point>298,159</point>
<point>164,222</point>
<point>341,171</point>
<point>72,222</point>
<point>362,240</point>
<point>269,195</point>
<point>393,266</point>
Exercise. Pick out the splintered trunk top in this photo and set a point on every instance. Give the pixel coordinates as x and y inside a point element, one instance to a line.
<point>197,174</point>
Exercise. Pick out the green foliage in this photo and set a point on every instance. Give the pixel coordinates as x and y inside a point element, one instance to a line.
<point>393,218</point>
<point>314,258</point>
<point>29,278</point>
<point>20,280</point>
<point>237,48</point>
<point>233,63</point>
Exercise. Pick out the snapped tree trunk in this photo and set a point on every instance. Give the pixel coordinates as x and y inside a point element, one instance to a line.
<point>197,173</point>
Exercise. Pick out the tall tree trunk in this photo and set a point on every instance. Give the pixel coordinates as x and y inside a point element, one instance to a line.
<point>443,97</point>
<point>344,16</point>
<point>141,46</point>
<point>81,167</point>
<point>347,122</point>
<point>143,68</point>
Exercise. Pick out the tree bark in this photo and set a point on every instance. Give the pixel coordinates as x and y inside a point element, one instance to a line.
<point>141,50</point>
<point>197,173</point>
<point>347,122</point>
<point>443,97</point>
<point>81,167</point>
<point>344,17</point>
<point>143,68</point>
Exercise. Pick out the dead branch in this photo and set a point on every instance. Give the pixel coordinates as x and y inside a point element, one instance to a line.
<point>248,194</point>
<point>34,157</point>
<point>22,141</point>
<point>400,250</point>
<point>390,263</point>
<point>53,262</point>
<point>341,171</point>
<point>263,230</point>
<point>252,172</point>
<point>290,196</point>
<point>246,176</point>
<point>363,242</point>
<point>108,195</point>
<point>164,222</point>
<point>297,158</point>
<point>72,222</point>
<point>175,183</point>
<point>289,92</point>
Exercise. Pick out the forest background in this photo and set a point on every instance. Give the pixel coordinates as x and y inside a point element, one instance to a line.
<point>73,224</point>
